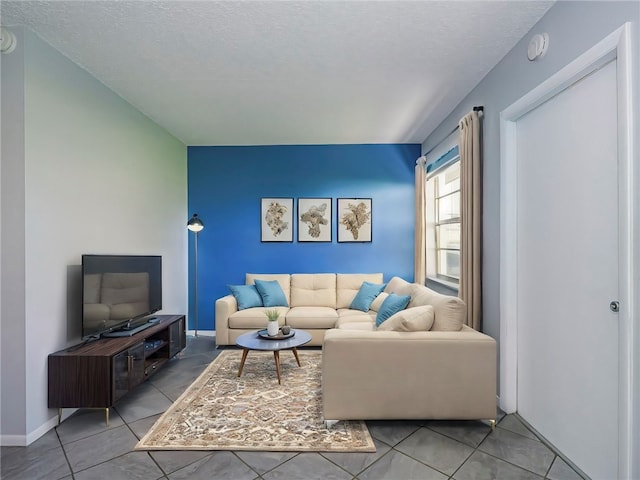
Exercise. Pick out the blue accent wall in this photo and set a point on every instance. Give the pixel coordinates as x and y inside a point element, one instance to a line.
<point>225,185</point>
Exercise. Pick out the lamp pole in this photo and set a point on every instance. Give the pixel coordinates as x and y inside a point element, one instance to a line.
<point>195,293</point>
<point>195,225</point>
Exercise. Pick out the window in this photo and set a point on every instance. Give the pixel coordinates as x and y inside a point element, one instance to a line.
<point>443,219</point>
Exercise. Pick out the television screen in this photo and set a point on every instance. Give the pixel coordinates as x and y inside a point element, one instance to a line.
<point>118,290</point>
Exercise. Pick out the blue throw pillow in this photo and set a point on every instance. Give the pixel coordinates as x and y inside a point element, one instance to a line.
<point>271,293</point>
<point>392,304</point>
<point>247,296</point>
<point>366,295</point>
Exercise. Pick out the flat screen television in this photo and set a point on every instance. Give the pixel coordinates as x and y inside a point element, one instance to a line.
<point>119,291</point>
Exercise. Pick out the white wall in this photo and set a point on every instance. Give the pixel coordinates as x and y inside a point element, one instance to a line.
<point>99,177</point>
<point>573,28</point>
<point>12,293</point>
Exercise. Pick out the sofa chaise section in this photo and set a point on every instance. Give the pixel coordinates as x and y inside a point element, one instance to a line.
<point>408,375</point>
<point>447,371</point>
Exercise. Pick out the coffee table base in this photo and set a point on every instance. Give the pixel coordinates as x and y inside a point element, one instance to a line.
<point>276,356</point>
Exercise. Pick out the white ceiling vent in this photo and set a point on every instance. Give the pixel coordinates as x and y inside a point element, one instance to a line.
<point>7,41</point>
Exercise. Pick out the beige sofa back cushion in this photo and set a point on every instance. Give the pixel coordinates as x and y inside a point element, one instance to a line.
<point>284,279</point>
<point>399,286</point>
<point>313,290</point>
<point>348,285</point>
<point>449,311</point>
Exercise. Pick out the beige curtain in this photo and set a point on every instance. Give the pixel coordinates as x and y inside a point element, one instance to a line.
<point>420,267</point>
<point>471,217</point>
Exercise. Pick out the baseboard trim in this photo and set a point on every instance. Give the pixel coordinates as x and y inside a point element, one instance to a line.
<point>29,438</point>
<point>202,333</point>
<point>13,440</point>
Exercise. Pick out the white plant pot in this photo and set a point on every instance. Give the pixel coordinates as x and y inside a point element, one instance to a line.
<point>272,328</point>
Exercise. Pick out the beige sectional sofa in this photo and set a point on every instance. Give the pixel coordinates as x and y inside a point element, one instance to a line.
<point>448,372</point>
<point>421,363</point>
<point>317,301</point>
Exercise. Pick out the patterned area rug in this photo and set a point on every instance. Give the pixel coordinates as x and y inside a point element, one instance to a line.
<point>220,411</point>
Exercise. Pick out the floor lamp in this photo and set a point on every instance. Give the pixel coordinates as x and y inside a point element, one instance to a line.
<point>195,225</point>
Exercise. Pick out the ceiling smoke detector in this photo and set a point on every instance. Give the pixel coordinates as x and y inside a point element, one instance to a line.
<point>538,46</point>
<point>7,41</point>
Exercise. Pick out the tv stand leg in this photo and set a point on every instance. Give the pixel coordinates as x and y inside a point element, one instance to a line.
<point>59,416</point>
<point>106,413</point>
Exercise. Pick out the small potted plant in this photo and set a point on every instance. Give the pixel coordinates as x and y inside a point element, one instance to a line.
<point>272,322</point>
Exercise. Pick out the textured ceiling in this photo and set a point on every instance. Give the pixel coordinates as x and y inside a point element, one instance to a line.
<point>280,72</point>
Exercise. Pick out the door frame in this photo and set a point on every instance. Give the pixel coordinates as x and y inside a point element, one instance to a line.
<point>617,45</point>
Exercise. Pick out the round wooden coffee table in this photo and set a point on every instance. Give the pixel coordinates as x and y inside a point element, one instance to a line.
<point>253,341</point>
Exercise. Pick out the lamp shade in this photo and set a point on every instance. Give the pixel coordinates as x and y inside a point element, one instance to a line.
<point>195,224</point>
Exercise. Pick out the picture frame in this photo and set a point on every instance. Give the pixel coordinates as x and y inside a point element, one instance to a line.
<point>276,219</point>
<point>314,219</point>
<point>354,219</point>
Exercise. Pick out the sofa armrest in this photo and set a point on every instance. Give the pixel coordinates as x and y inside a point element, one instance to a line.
<point>225,307</point>
<point>387,375</point>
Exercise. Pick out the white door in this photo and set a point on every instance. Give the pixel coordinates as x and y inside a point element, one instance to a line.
<point>567,257</point>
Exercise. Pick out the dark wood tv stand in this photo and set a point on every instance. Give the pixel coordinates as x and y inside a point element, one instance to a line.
<point>98,374</point>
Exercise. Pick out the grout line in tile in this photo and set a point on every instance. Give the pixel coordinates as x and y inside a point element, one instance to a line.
<point>164,473</point>
<point>457,440</point>
<point>64,452</point>
<point>378,460</point>
<point>339,466</point>
<point>546,475</point>
<point>235,454</point>
<point>510,463</point>
<point>551,447</point>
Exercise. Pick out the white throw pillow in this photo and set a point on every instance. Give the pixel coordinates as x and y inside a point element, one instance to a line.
<point>416,319</point>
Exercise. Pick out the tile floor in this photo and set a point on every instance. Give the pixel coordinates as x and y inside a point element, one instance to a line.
<point>83,448</point>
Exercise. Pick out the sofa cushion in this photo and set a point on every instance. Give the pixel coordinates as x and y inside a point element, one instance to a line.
<point>377,303</point>
<point>313,290</point>
<point>312,317</point>
<point>271,293</point>
<point>366,295</point>
<point>393,304</point>
<point>246,296</point>
<point>284,279</point>
<point>414,319</point>
<point>364,326</point>
<point>346,315</point>
<point>348,285</point>
<point>254,318</point>
<point>399,286</point>
<point>449,311</point>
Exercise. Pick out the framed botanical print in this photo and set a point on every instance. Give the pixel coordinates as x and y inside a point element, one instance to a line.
<point>276,220</point>
<point>354,219</point>
<point>314,219</point>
